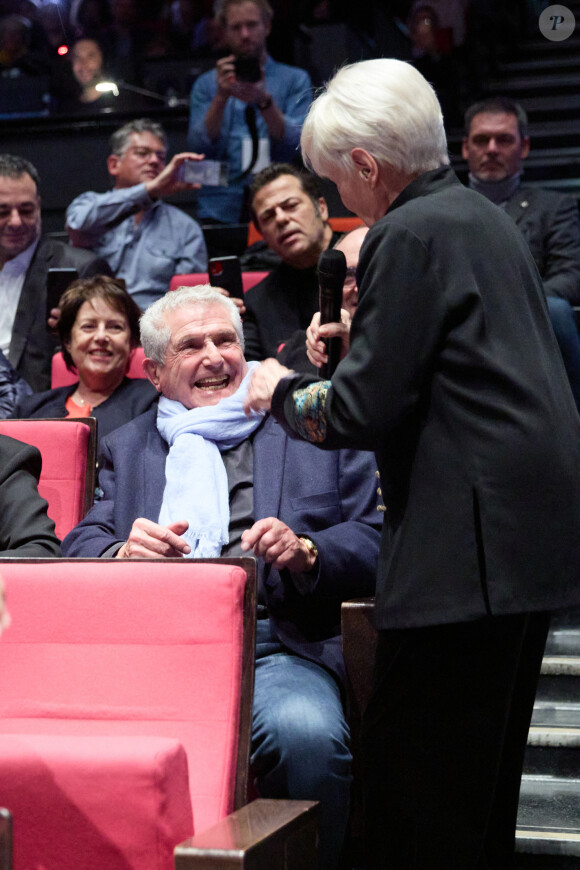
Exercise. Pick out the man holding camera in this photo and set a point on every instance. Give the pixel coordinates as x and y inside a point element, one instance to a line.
<point>145,240</point>
<point>248,111</point>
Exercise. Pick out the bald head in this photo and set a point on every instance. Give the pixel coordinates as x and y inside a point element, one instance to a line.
<point>350,246</point>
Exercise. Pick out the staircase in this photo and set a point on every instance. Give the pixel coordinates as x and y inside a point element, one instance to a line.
<point>548,830</point>
<point>548,827</point>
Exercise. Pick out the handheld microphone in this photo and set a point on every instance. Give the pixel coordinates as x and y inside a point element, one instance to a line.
<point>331,275</point>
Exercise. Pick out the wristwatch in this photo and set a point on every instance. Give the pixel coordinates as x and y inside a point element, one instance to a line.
<point>266,103</point>
<point>312,547</point>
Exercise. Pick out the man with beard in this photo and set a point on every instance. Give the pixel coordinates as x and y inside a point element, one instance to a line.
<point>248,111</point>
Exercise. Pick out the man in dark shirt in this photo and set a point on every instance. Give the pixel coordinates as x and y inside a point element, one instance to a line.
<point>25,258</point>
<point>495,144</point>
<point>292,215</point>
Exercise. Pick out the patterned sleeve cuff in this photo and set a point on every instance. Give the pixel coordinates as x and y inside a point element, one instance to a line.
<point>309,407</point>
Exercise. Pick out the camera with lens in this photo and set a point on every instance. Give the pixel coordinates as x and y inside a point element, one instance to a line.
<point>248,69</point>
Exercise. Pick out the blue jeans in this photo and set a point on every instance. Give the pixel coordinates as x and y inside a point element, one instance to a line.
<point>563,322</point>
<point>300,738</point>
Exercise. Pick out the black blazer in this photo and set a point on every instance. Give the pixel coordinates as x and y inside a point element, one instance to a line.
<point>32,345</point>
<point>551,227</point>
<point>132,397</point>
<point>454,378</point>
<point>25,528</point>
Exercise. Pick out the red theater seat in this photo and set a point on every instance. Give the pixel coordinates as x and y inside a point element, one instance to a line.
<point>125,713</point>
<point>67,479</point>
<point>248,279</point>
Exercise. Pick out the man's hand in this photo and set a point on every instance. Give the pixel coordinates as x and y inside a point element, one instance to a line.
<point>167,182</point>
<point>262,385</point>
<point>229,86</point>
<point>149,540</point>
<point>239,303</point>
<point>315,347</point>
<point>275,542</point>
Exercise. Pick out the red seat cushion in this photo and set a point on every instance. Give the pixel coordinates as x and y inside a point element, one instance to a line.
<point>54,787</point>
<point>124,648</point>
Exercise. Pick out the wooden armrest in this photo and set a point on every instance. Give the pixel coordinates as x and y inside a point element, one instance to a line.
<point>263,835</point>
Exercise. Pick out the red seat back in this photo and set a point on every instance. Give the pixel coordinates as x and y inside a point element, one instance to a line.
<point>67,479</point>
<point>116,648</point>
<point>63,377</point>
<point>248,279</point>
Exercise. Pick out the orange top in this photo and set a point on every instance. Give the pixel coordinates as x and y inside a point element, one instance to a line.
<point>74,410</point>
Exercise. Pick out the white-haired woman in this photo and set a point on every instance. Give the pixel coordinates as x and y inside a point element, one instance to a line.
<point>453,378</point>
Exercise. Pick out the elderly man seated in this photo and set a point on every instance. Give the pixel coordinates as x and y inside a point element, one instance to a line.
<point>197,477</point>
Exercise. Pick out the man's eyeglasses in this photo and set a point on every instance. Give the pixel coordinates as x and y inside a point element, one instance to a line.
<point>350,277</point>
<point>146,153</point>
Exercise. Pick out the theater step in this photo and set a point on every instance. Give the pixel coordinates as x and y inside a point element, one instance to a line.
<point>548,829</point>
<point>549,819</point>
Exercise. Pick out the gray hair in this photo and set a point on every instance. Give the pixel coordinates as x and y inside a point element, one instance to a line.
<point>384,106</point>
<point>155,333</point>
<point>12,166</point>
<point>119,141</point>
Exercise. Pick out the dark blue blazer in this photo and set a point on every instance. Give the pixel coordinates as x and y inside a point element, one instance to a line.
<point>328,495</point>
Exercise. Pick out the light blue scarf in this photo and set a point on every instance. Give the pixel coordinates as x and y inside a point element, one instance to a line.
<point>196,483</point>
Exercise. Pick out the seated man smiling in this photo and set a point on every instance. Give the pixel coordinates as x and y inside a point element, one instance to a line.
<point>197,477</point>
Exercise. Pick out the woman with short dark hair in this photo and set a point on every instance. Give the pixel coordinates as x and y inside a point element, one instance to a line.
<point>99,330</point>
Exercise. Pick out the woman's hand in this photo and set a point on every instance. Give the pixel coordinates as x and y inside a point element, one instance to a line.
<point>262,385</point>
<point>315,347</point>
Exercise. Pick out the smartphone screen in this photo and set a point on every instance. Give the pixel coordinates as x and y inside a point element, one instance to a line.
<point>226,272</point>
<point>57,280</point>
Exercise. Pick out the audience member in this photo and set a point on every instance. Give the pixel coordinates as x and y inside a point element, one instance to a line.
<point>238,484</point>
<point>86,64</point>
<point>98,329</point>
<point>289,210</point>
<point>435,60</point>
<point>25,527</point>
<point>145,240</point>
<point>293,352</point>
<point>13,388</point>
<point>245,117</point>
<point>16,51</point>
<point>87,71</point>
<point>25,258</point>
<point>453,377</point>
<point>495,144</point>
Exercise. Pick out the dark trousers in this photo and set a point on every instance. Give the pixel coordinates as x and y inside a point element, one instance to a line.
<point>444,737</point>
